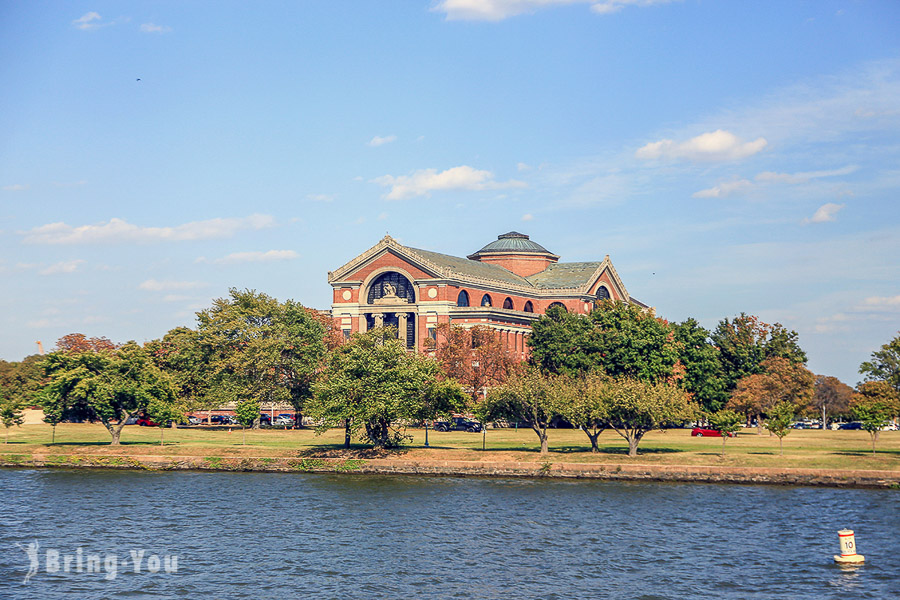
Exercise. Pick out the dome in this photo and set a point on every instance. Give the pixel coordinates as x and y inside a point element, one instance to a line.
<point>512,243</point>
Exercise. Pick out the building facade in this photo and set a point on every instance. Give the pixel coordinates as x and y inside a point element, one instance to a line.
<point>506,286</point>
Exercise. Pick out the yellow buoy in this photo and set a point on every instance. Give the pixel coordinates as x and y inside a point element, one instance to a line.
<point>848,554</point>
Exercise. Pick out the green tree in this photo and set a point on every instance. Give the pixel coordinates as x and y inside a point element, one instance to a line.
<point>746,341</point>
<point>529,397</point>
<point>162,412</point>
<point>10,413</point>
<point>726,422</point>
<point>247,413</point>
<point>884,364</point>
<point>780,418</point>
<point>874,403</point>
<point>473,356</point>
<point>181,354</point>
<point>639,407</point>
<point>372,383</point>
<point>22,381</point>
<point>109,386</point>
<point>584,402</point>
<point>259,348</point>
<point>703,373</point>
<point>617,338</point>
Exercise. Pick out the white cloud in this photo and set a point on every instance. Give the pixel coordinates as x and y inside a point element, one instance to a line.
<point>16,187</point>
<point>803,177</point>
<point>716,145</point>
<point>528,217</point>
<point>89,21</point>
<point>153,285</point>
<point>65,184</point>
<point>724,189</point>
<point>523,167</point>
<point>247,257</point>
<point>498,10</point>
<point>69,266</point>
<point>825,213</point>
<point>152,28</point>
<point>425,181</point>
<point>882,303</point>
<point>381,141</point>
<point>118,230</point>
<point>320,197</point>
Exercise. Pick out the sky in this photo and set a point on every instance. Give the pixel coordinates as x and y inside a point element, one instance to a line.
<point>728,156</point>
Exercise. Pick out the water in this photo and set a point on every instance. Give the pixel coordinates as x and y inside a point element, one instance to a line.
<point>262,535</point>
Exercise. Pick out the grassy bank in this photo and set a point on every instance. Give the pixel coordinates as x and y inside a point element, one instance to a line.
<point>809,449</point>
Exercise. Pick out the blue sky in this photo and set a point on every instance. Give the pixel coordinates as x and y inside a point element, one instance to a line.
<point>728,156</point>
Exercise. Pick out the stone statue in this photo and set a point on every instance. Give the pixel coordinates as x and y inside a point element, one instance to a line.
<point>389,290</point>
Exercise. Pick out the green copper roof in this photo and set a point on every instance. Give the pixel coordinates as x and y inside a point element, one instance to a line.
<point>564,275</point>
<point>513,242</point>
<point>472,268</point>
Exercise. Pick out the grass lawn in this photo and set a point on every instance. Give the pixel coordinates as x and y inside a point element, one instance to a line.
<point>802,448</point>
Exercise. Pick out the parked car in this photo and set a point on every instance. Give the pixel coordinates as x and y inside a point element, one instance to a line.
<point>221,420</point>
<point>285,420</point>
<point>851,425</point>
<point>705,431</point>
<point>459,424</point>
<point>145,422</point>
<point>265,419</point>
<point>192,420</point>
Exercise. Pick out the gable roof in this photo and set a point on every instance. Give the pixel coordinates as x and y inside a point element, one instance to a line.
<point>568,278</point>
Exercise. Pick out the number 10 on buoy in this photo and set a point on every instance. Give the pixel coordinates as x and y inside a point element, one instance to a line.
<point>848,554</point>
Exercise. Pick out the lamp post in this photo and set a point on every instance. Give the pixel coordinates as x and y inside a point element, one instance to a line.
<point>426,433</point>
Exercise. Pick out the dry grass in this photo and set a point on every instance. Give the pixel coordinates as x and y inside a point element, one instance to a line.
<point>802,448</point>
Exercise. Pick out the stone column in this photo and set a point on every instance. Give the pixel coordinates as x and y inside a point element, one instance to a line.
<point>363,322</point>
<point>379,320</point>
<point>401,317</point>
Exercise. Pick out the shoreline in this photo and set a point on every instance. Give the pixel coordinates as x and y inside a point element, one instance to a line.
<point>848,478</point>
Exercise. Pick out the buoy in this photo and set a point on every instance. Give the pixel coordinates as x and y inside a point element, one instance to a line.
<point>848,554</point>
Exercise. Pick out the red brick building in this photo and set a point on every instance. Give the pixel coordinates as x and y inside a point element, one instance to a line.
<point>506,285</point>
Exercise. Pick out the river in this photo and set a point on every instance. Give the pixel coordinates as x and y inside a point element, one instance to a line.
<point>268,535</point>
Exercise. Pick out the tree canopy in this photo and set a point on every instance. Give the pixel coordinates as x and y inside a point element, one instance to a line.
<point>780,381</point>
<point>617,338</point>
<point>105,385</point>
<point>704,376</point>
<point>473,356</point>
<point>746,341</point>
<point>371,385</point>
<point>884,364</point>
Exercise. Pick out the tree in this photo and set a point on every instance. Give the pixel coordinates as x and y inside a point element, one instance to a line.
<point>372,384</point>
<point>884,364</point>
<point>162,412</point>
<point>247,412</point>
<point>186,360</point>
<point>873,404</point>
<point>10,413</point>
<point>78,342</point>
<point>640,406</point>
<point>584,402</point>
<point>529,397</point>
<point>22,381</point>
<point>703,373</point>
<point>617,338</point>
<point>830,396</point>
<point>474,357</point>
<point>779,422</point>
<point>726,422</point>
<point>745,342</point>
<point>109,386</point>
<point>780,381</point>
<point>259,348</point>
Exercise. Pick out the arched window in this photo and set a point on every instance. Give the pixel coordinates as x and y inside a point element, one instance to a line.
<point>486,300</point>
<point>529,307</point>
<point>508,303</point>
<point>391,283</point>
<point>602,293</point>
<point>558,305</point>
<point>463,298</point>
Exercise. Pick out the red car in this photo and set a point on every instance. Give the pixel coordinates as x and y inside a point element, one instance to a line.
<point>145,422</point>
<point>701,431</point>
